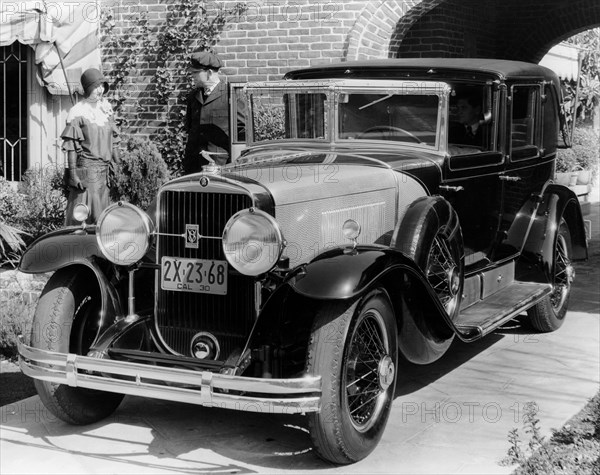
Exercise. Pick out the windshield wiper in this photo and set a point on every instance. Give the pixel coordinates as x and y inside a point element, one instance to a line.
<point>375,102</point>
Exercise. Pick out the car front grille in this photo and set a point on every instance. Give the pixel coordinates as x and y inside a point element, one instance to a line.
<point>181,315</point>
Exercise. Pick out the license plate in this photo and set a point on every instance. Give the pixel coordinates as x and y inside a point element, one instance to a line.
<point>204,276</point>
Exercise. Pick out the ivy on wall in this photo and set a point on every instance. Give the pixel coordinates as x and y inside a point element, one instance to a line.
<point>146,65</point>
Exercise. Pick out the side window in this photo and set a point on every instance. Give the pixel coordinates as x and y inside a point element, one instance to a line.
<point>469,131</point>
<point>551,119</point>
<point>525,127</point>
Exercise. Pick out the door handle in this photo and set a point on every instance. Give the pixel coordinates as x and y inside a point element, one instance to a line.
<point>510,178</point>
<point>451,188</point>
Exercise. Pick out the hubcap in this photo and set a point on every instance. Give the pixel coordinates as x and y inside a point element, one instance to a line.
<point>386,372</point>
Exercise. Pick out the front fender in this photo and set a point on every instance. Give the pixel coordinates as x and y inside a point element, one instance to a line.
<point>344,273</point>
<point>111,307</point>
<point>59,249</point>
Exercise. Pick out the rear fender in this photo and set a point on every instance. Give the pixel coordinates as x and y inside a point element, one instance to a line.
<point>536,261</point>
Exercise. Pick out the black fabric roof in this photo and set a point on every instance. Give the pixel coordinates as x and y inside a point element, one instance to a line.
<point>421,67</point>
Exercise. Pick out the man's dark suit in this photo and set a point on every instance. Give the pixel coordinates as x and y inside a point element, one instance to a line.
<point>207,126</point>
<point>459,134</point>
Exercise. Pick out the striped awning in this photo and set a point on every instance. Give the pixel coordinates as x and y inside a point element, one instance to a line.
<point>563,60</point>
<point>55,30</point>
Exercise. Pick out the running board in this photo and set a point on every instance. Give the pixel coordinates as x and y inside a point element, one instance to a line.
<point>487,315</point>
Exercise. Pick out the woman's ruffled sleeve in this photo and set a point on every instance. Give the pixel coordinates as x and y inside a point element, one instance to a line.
<point>72,137</point>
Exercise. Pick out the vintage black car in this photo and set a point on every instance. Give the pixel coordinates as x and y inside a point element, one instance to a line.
<point>362,223</point>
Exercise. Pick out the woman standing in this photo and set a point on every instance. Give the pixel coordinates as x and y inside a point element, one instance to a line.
<point>90,140</point>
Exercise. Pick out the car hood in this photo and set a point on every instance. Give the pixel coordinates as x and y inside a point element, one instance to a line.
<point>305,176</point>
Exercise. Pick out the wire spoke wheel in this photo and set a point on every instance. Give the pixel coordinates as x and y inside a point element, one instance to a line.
<point>354,348</point>
<point>443,273</point>
<point>563,274</point>
<point>368,352</point>
<point>549,313</point>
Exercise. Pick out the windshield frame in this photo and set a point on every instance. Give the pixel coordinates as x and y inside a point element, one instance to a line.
<point>334,89</point>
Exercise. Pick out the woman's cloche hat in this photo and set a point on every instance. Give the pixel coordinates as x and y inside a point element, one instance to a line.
<point>91,79</point>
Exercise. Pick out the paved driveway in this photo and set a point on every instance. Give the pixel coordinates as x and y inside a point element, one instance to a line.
<point>449,417</point>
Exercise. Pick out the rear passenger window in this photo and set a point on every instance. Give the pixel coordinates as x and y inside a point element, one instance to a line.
<point>525,121</point>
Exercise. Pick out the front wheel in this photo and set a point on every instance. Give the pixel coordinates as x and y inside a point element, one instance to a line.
<point>354,350</point>
<point>66,321</point>
<point>549,314</point>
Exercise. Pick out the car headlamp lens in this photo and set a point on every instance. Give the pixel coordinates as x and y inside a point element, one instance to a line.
<point>252,242</point>
<point>81,212</point>
<point>124,233</point>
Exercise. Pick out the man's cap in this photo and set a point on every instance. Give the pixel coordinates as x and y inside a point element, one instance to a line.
<point>205,60</point>
<point>91,79</point>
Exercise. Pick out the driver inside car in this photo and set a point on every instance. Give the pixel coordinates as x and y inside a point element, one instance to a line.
<point>468,128</point>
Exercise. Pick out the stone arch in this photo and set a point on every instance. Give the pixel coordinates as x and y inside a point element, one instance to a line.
<point>371,35</point>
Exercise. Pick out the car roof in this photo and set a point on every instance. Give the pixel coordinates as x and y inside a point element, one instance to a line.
<point>431,68</point>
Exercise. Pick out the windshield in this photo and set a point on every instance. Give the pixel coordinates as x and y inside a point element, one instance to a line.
<point>399,115</point>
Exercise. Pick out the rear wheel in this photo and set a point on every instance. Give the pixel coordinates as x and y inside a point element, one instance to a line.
<point>549,314</point>
<point>354,350</point>
<point>66,321</point>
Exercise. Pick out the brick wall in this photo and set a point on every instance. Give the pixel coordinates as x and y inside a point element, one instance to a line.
<point>270,39</point>
<point>273,37</point>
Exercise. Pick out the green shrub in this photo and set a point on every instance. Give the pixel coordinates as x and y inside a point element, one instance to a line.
<point>11,244</point>
<point>17,316</point>
<point>10,201</point>
<point>33,209</point>
<point>584,153</point>
<point>43,206</point>
<point>269,123</point>
<point>140,174</point>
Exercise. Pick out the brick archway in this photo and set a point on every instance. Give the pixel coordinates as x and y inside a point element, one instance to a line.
<point>555,26</point>
<point>373,33</point>
<point>511,29</point>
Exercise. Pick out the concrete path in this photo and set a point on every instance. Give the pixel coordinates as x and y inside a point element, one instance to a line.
<point>449,417</point>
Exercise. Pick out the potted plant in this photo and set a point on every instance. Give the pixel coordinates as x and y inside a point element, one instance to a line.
<point>578,165</point>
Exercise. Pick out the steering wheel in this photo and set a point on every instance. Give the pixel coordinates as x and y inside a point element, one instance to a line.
<point>388,128</point>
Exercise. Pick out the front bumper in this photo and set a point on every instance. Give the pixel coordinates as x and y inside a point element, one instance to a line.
<point>275,396</point>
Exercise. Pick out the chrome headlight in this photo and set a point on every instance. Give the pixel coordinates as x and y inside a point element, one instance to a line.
<point>252,242</point>
<point>124,233</point>
<point>81,212</point>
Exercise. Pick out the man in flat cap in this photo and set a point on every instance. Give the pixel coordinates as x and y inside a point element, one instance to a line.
<point>207,117</point>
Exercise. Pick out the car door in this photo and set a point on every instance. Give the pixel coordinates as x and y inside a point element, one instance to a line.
<point>532,109</point>
<point>472,184</point>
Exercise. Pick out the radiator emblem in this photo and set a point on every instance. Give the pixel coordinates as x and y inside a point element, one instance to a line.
<point>204,181</point>
<point>191,236</point>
